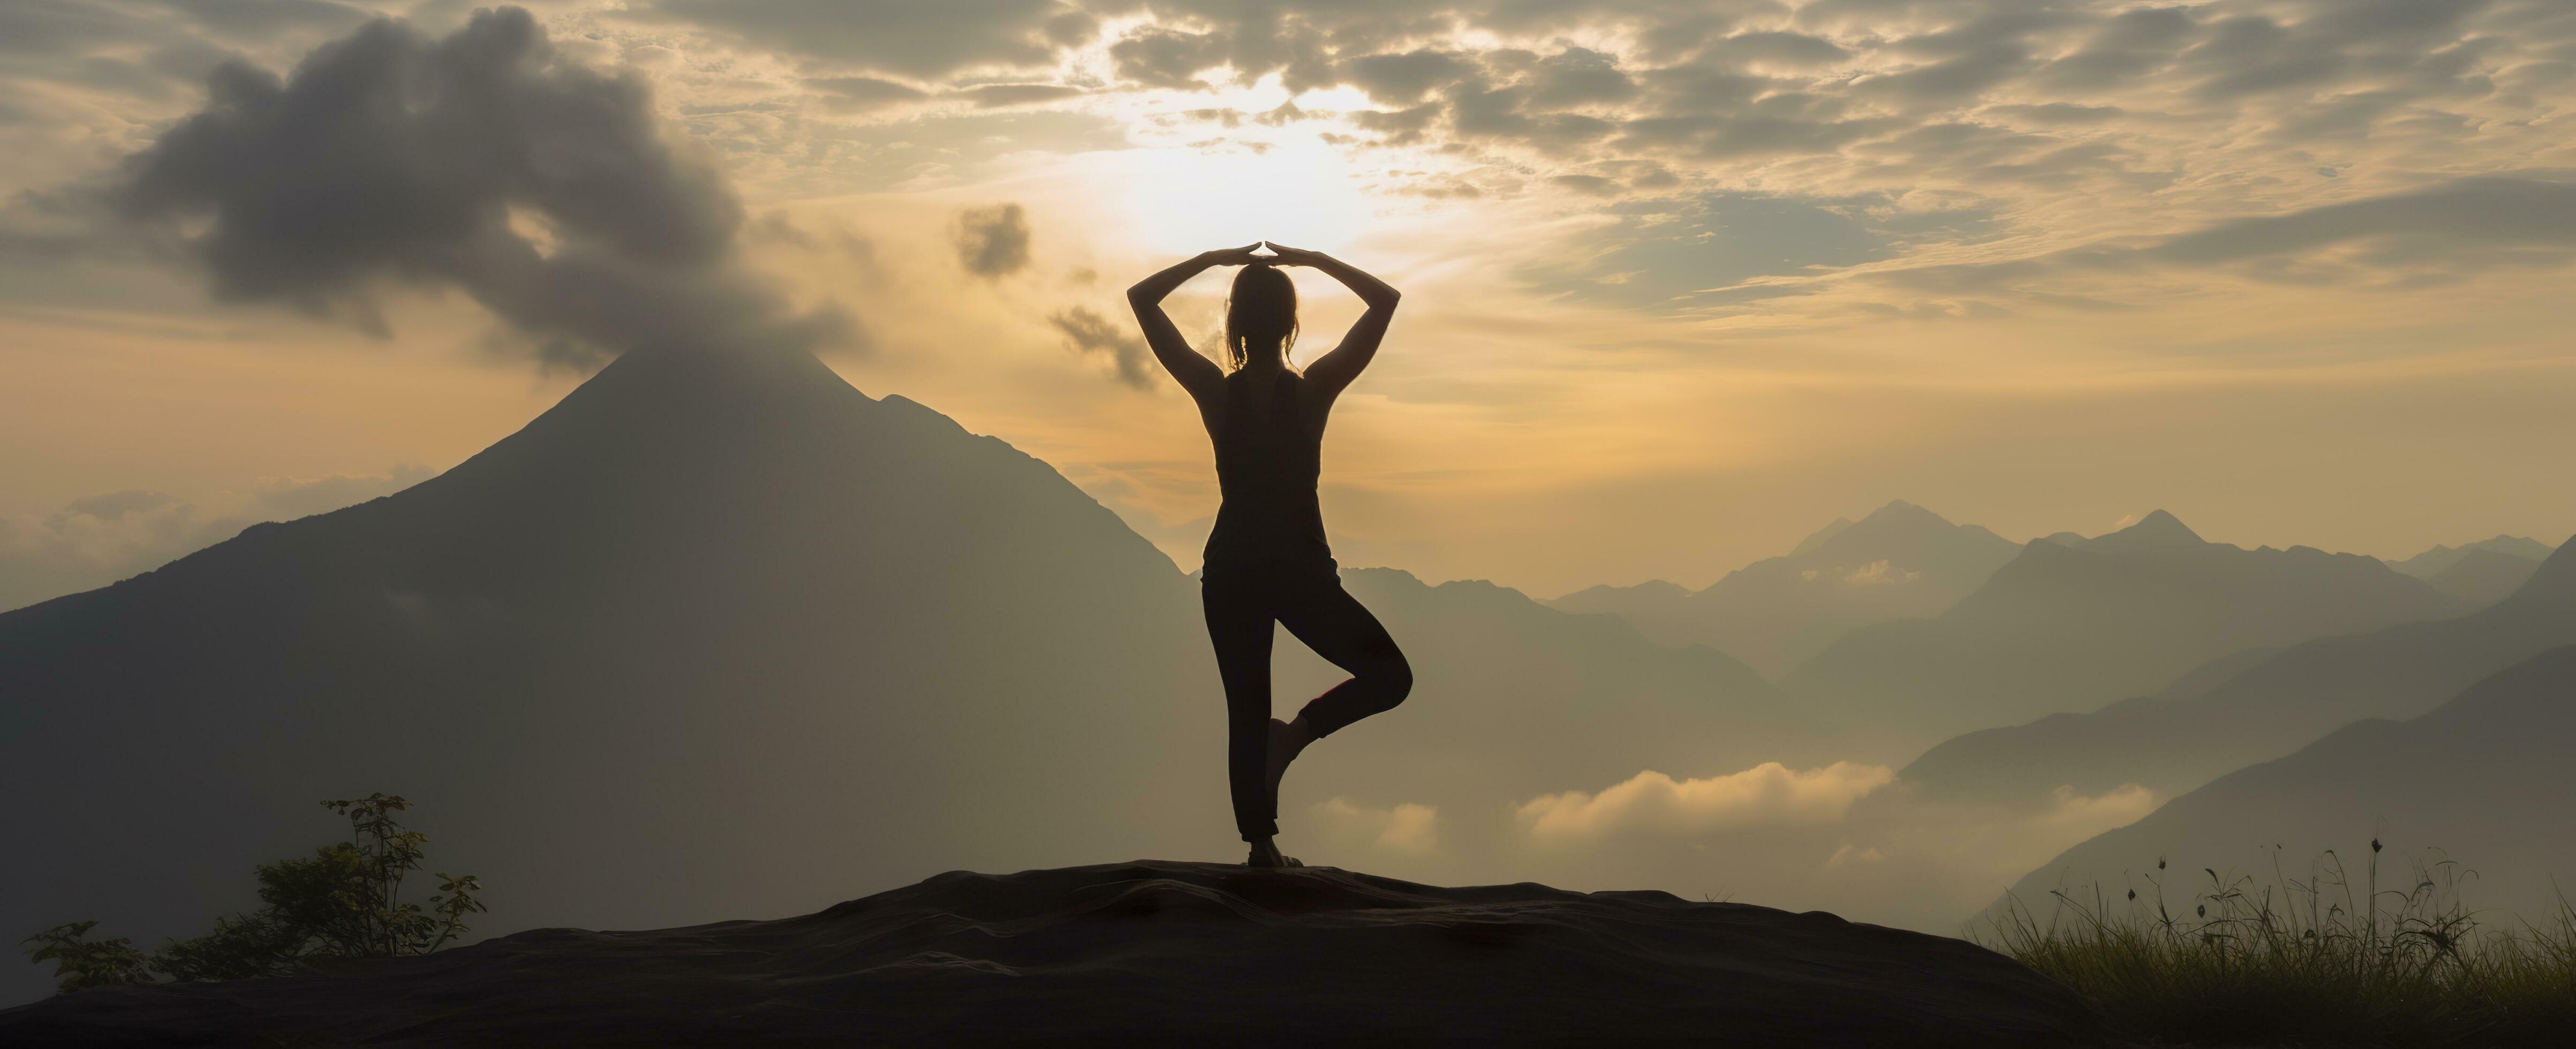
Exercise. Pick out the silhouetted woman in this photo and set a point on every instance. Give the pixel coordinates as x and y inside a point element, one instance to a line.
<point>1267,560</point>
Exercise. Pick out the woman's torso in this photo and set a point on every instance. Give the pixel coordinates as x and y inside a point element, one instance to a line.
<point>1269,452</point>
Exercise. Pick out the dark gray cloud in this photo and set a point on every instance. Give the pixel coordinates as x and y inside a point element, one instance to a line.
<point>1159,57</point>
<point>992,241</point>
<point>1578,77</point>
<point>1402,79</point>
<point>480,161</point>
<point>1086,331</point>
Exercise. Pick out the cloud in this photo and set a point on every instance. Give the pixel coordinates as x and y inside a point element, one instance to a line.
<point>2431,235</point>
<point>1402,79</point>
<point>911,37</point>
<point>1089,332</point>
<point>1158,57</point>
<point>481,161</point>
<point>863,93</point>
<point>1676,252</point>
<point>2074,817</point>
<point>995,96</point>
<point>992,241</point>
<point>1769,794</point>
<point>98,540</point>
<point>1407,829</point>
<point>2467,216</point>
<point>1875,573</point>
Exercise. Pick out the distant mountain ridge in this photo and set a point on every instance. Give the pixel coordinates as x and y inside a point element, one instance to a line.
<point>1574,699</point>
<point>2072,626</point>
<point>1900,561</point>
<point>2252,713</point>
<point>2433,562</point>
<point>2484,778</point>
<point>2484,577</point>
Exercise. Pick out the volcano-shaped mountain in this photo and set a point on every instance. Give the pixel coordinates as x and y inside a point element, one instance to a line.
<point>717,633</point>
<point>2072,627</point>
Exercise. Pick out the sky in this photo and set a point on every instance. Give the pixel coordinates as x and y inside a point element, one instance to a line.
<point>1683,281</point>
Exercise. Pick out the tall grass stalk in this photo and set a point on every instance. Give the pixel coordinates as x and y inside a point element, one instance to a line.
<point>2302,962</point>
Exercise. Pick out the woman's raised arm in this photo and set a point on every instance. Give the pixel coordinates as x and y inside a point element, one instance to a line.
<point>1337,367</point>
<point>1197,374</point>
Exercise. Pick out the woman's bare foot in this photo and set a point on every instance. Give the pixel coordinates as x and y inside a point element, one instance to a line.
<point>1265,853</point>
<point>1287,740</point>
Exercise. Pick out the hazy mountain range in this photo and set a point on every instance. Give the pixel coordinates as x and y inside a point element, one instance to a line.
<point>2432,563</point>
<point>2484,778</point>
<point>2238,714</point>
<point>1571,699</point>
<point>2070,625</point>
<point>1901,561</point>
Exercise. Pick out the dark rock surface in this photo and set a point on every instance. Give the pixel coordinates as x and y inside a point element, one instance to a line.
<point>1153,950</point>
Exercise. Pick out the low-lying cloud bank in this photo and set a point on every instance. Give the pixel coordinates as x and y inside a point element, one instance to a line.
<point>1407,829</point>
<point>1846,837</point>
<point>1769,794</point>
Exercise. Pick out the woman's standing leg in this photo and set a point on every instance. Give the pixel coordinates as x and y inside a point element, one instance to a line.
<point>1238,622</point>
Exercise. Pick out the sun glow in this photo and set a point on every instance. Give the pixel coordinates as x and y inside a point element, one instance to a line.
<point>1182,199</point>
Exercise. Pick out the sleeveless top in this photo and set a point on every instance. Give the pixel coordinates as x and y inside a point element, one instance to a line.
<point>1266,468</point>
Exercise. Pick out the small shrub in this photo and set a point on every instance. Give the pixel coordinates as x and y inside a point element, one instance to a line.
<point>344,901</point>
<point>82,962</point>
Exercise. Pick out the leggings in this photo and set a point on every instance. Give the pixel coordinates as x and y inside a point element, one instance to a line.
<point>1242,600</point>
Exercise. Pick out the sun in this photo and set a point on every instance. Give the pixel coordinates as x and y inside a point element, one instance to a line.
<point>1177,200</point>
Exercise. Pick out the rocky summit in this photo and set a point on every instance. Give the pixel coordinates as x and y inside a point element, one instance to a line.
<point>1152,950</point>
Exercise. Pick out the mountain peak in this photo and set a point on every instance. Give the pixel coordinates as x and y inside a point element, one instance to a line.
<point>1899,521</point>
<point>2156,531</point>
<point>2161,521</point>
<point>2554,580</point>
<point>1900,510</point>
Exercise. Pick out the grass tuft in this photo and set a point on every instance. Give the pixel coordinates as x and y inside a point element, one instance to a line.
<point>2294,962</point>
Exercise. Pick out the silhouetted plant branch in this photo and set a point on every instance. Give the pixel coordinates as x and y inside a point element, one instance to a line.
<point>344,901</point>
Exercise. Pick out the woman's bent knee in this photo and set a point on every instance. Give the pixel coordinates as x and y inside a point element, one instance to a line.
<point>1394,679</point>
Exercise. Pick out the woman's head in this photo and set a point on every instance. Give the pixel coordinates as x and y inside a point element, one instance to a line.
<point>1260,315</point>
